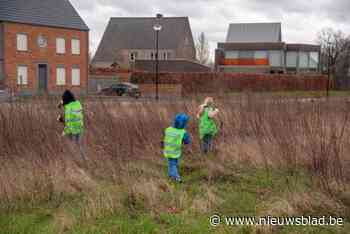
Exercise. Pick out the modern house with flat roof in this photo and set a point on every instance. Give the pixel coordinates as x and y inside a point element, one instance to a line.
<point>130,42</point>
<point>258,48</point>
<point>44,47</point>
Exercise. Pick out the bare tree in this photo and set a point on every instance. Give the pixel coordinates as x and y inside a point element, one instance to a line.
<point>333,43</point>
<point>335,54</point>
<point>342,68</point>
<point>202,49</point>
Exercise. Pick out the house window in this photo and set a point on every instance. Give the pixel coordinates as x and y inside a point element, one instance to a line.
<point>165,56</point>
<point>76,76</point>
<point>303,59</point>
<point>314,60</point>
<point>260,54</point>
<point>292,59</point>
<point>60,76</point>
<point>76,46</point>
<point>22,75</point>
<point>246,54</point>
<point>275,58</point>
<point>187,42</point>
<point>60,45</point>
<point>152,55</point>
<point>232,54</point>
<point>133,56</point>
<point>22,42</point>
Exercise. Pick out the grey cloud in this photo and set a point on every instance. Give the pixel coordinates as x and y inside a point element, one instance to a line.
<point>300,18</point>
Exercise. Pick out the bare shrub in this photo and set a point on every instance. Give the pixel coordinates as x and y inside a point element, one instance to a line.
<point>256,130</point>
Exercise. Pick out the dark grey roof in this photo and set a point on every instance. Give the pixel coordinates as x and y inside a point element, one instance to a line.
<point>254,32</point>
<point>56,13</point>
<point>177,65</point>
<point>138,33</point>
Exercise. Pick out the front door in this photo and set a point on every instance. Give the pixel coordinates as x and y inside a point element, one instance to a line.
<point>42,77</point>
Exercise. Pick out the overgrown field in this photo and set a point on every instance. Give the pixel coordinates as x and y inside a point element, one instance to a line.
<point>273,157</point>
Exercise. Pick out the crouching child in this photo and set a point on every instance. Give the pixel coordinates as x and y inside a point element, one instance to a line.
<point>207,125</point>
<point>174,137</point>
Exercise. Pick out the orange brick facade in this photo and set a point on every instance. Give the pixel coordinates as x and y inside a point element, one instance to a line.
<point>47,55</point>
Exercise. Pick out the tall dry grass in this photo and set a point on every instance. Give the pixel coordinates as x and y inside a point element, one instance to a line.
<point>37,162</point>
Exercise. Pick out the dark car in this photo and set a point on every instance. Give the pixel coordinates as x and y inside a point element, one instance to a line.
<point>121,89</point>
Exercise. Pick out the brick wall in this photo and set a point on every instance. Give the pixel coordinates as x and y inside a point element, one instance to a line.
<point>226,82</point>
<point>36,55</point>
<point>104,77</point>
<point>164,90</point>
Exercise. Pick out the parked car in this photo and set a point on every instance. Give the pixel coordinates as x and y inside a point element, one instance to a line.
<point>121,89</point>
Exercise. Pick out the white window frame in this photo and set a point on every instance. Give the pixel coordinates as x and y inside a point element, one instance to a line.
<point>22,46</point>
<point>133,56</point>
<point>60,49</point>
<point>60,81</point>
<point>75,47</point>
<point>76,80</point>
<point>20,79</point>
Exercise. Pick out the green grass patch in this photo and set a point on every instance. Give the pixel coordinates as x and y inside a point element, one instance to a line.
<point>179,208</point>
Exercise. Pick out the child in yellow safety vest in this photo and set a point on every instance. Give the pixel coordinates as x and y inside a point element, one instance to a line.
<point>174,137</point>
<point>207,126</point>
<point>73,119</point>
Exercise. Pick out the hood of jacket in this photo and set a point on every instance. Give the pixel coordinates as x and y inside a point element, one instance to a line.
<point>181,121</point>
<point>67,97</point>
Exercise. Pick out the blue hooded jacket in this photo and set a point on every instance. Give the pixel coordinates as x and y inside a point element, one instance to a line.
<point>180,122</point>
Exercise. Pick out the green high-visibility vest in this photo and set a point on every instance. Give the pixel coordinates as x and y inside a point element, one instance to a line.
<point>73,118</point>
<point>173,142</point>
<point>207,126</point>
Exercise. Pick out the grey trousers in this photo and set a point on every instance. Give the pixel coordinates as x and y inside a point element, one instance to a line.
<point>77,139</point>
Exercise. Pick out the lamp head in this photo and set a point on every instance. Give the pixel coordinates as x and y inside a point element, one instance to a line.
<point>157,27</point>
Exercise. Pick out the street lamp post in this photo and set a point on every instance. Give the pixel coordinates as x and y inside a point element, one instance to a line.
<point>329,67</point>
<point>157,27</point>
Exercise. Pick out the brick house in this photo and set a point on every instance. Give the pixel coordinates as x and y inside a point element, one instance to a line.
<point>44,47</point>
<point>131,40</point>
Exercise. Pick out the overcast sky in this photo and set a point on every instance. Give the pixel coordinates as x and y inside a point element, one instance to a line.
<point>301,19</point>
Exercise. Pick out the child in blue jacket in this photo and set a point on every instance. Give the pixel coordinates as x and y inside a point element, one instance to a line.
<point>174,137</point>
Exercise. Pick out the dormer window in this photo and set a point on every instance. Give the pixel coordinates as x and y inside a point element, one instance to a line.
<point>187,42</point>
